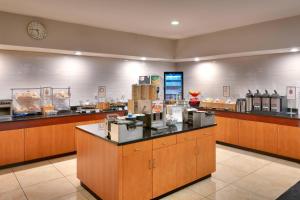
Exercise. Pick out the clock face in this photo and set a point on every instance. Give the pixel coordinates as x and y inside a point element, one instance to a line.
<point>37,30</point>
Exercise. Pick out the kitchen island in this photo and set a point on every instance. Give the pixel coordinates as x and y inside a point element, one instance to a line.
<point>147,168</point>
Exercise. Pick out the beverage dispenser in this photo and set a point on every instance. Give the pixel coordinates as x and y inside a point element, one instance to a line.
<point>266,101</point>
<point>249,101</point>
<point>278,103</point>
<point>257,100</point>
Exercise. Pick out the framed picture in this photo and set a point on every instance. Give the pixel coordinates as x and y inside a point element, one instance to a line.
<point>226,91</point>
<point>101,91</point>
<point>155,80</point>
<point>291,92</point>
<point>144,79</point>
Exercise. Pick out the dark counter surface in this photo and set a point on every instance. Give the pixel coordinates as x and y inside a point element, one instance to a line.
<point>268,114</point>
<point>64,114</point>
<point>99,131</point>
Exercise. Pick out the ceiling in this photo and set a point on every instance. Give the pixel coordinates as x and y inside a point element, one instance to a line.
<point>153,17</point>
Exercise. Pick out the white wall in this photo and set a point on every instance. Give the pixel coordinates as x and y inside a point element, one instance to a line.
<point>82,74</point>
<point>254,72</point>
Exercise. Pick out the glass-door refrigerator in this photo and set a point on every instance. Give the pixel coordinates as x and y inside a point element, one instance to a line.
<point>173,85</point>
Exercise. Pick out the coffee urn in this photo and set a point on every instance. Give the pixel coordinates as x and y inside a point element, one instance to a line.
<point>278,103</point>
<point>249,101</point>
<point>257,101</point>
<point>241,105</point>
<point>266,102</point>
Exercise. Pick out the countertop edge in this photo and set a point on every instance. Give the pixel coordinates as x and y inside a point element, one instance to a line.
<point>144,139</point>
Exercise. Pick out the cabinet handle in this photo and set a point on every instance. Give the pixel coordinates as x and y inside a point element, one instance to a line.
<point>163,144</point>
<point>153,164</point>
<point>150,164</point>
<point>136,149</point>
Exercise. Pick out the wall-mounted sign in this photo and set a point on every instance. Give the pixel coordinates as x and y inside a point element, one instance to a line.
<point>144,79</point>
<point>226,91</point>
<point>101,91</point>
<point>291,92</point>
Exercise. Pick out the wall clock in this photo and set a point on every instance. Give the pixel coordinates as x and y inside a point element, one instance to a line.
<point>37,30</point>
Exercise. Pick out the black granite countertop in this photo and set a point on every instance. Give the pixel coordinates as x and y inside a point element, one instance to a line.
<point>37,117</point>
<point>270,114</point>
<point>99,131</point>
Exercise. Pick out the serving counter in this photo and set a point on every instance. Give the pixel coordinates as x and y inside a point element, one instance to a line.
<point>146,168</point>
<point>35,137</point>
<point>277,135</point>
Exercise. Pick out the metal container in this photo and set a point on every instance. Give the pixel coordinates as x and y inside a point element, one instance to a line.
<point>257,101</point>
<point>266,102</point>
<point>278,103</point>
<point>241,105</point>
<point>124,130</point>
<point>198,118</point>
<point>5,109</point>
<point>249,101</point>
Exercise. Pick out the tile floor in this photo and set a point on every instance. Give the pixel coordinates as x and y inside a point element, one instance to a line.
<point>240,175</point>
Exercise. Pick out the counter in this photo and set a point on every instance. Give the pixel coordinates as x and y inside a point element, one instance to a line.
<point>42,120</point>
<point>147,168</point>
<point>267,117</point>
<point>32,138</point>
<point>98,130</point>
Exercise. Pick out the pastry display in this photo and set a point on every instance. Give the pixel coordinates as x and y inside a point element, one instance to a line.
<point>26,101</point>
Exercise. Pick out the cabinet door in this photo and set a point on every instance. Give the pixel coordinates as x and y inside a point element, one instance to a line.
<point>64,138</point>
<point>186,161</point>
<point>39,142</point>
<point>246,133</point>
<point>137,171</point>
<point>231,130</point>
<point>289,141</point>
<point>206,155</point>
<point>220,129</point>
<point>227,130</point>
<point>266,137</point>
<point>164,170</point>
<point>11,146</point>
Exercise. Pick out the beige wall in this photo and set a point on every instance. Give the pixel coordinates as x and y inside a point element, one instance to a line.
<point>67,36</point>
<point>283,33</point>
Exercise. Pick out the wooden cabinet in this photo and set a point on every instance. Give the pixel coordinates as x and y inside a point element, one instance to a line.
<point>11,146</point>
<point>266,137</point>
<point>64,138</point>
<point>39,142</point>
<point>47,141</point>
<point>289,141</point>
<point>186,158</point>
<point>164,165</point>
<point>246,133</point>
<point>137,171</point>
<point>206,153</point>
<point>227,130</point>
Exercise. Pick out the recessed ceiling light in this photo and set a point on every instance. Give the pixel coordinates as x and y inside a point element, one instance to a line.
<point>197,59</point>
<point>175,23</point>
<point>294,49</point>
<point>78,53</point>
<point>143,58</point>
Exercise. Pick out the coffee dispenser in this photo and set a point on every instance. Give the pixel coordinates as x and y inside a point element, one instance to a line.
<point>278,103</point>
<point>249,101</point>
<point>266,101</point>
<point>257,98</point>
<point>241,105</point>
